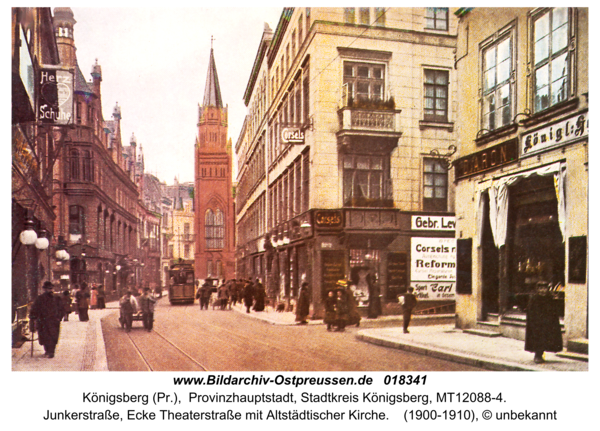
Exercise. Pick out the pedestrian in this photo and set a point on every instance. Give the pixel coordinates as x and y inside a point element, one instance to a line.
<point>205,293</point>
<point>66,303</point>
<point>45,316</point>
<point>374,309</point>
<point>542,328</point>
<point>82,297</point>
<point>341,310</point>
<point>223,295</point>
<point>303,306</point>
<point>147,303</point>
<point>94,297</point>
<point>127,307</point>
<point>329,305</point>
<point>408,302</point>
<point>353,316</point>
<point>248,295</point>
<point>259,296</point>
<point>232,293</point>
<point>101,297</point>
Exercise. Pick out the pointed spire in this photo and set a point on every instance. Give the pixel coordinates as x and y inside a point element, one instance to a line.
<point>212,91</point>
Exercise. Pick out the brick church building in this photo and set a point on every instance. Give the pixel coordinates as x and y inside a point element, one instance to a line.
<point>214,251</point>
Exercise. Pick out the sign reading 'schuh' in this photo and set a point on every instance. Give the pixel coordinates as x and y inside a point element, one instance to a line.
<point>55,96</point>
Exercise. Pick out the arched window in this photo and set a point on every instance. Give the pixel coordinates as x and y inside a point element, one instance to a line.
<point>88,173</point>
<point>75,174</point>
<point>214,229</point>
<point>76,220</point>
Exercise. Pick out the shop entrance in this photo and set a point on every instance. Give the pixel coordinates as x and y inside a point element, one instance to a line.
<point>490,267</point>
<point>536,247</point>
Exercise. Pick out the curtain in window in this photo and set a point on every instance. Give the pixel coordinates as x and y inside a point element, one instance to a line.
<point>498,192</point>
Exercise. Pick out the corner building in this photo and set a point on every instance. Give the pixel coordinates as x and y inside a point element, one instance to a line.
<point>522,166</point>
<point>350,122</point>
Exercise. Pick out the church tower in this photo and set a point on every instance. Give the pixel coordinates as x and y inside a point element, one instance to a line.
<point>214,217</point>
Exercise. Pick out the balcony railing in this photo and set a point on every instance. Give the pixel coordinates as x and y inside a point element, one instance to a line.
<point>369,116</point>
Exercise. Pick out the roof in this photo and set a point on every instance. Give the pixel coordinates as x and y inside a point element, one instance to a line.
<point>81,86</point>
<point>212,91</point>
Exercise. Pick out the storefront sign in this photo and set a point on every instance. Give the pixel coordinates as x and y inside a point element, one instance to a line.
<point>332,268</point>
<point>55,98</point>
<point>434,291</point>
<point>557,134</point>
<point>328,219</point>
<point>292,135</point>
<point>397,274</point>
<point>433,267</point>
<point>433,223</point>
<point>488,159</point>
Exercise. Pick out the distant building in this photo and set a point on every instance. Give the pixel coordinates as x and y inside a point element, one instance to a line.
<point>522,165</point>
<point>214,224</point>
<point>178,223</point>
<point>343,157</point>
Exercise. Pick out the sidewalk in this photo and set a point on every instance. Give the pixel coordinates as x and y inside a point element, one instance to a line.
<point>80,347</point>
<point>444,341</point>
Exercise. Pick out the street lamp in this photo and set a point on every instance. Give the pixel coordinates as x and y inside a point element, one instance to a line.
<point>42,243</point>
<point>28,236</point>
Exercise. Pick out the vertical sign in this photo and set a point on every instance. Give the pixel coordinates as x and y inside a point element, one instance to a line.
<point>332,269</point>
<point>55,97</point>
<point>433,268</point>
<point>397,274</point>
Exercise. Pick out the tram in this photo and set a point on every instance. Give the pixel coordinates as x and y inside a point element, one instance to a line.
<point>181,283</point>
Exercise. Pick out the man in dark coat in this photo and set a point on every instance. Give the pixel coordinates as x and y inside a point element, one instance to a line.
<point>303,306</point>
<point>374,299</point>
<point>47,312</point>
<point>66,302</point>
<point>341,310</point>
<point>147,303</point>
<point>248,295</point>
<point>408,301</point>
<point>128,308</point>
<point>82,298</point>
<point>542,330</point>
<point>259,296</point>
<point>329,304</point>
<point>204,294</point>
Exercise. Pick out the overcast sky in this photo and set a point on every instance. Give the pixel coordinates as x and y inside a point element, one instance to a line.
<point>154,64</point>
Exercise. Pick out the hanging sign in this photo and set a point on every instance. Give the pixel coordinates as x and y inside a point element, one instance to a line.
<point>55,96</point>
<point>292,135</point>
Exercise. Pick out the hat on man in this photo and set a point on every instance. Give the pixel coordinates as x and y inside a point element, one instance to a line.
<point>48,285</point>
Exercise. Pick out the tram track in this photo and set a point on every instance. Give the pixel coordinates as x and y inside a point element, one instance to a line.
<point>175,346</point>
<point>154,351</point>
